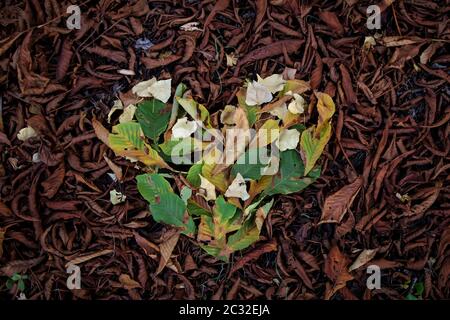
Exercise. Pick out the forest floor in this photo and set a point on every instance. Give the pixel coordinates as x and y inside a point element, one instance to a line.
<point>391,129</point>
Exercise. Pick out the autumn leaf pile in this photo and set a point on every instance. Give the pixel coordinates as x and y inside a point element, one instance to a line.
<point>223,197</point>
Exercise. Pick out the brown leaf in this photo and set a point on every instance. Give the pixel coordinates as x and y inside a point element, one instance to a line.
<point>19,266</point>
<point>261,7</point>
<point>101,132</point>
<point>128,283</point>
<point>86,257</point>
<point>220,5</point>
<point>64,59</point>
<point>114,167</point>
<point>253,255</point>
<point>166,249</point>
<point>332,21</point>
<point>115,55</point>
<point>336,270</point>
<point>54,182</point>
<point>348,85</point>
<point>337,204</point>
<point>270,50</point>
<point>2,237</point>
<point>364,257</point>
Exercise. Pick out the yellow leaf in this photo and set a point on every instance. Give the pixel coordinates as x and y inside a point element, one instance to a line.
<point>126,141</point>
<point>219,180</point>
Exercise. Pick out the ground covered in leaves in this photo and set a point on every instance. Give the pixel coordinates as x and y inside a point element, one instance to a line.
<point>382,198</point>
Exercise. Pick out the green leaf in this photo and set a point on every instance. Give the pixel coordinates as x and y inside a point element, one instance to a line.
<point>195,210</point>
<point>195,110</point>
<point>411,297</point>
<point>290,178</point>
<point>151,185</point>
<point>312,147</point>
<point>185,194</point>
<point>21,285</point>
<point>170,209</point>
<point>179,91</point>
<point>223,211</point>
<point>193,175</point>
<point>250,164</point>
<point>126,141</point>
<point>244,237</point>
<point>251,111</point>
<point>183,146</point>
<point>9,283</point>
<point>16,277</point>
<point>153,116</point>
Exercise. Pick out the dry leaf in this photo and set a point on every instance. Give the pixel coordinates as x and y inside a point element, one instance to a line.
<point>166,249</point>
<point>364,257</point>
<point>297,105</point>
<point>128,283</point>
<point>26,133</point>
<point>273,83</point>
<point>87,257</point>
<point>209,190</point>
<point>238,188</point>
<point>288,139</point>
<point>183,128</point>
<point>337,204</point>
<point>257,94</point>
<point>116,197</point>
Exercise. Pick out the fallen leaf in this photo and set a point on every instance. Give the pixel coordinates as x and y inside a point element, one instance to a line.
<point>116,197</point>
<point>289,139</point>
<point>297,105</point>
<point>231,59</point>
<point>26,133</point>
<point>364,257</point>
<point>183,128</point>
<point>166,249</point>
<point>238,188</point>
<point>128,283</point>
<point>257,94</point>
<point>337,204</point>
<point>209,190</point>
<point>191,26</point>
<point>159,89</point>
<point>86,257</point>
<point>273,83</point>
<point>336,270</point>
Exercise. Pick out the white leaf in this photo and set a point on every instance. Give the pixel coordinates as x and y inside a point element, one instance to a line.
<point>141,89</point>
<point>126,72</point>
<point>288,139</point>
<point>116,197</point>
<point>161,90</point>
<point>191,26</point>
<point>208,188</point>
<point>273,83</point>
<point>128,114</point>
<point>231,59</point>
<point>36,158</point>
<point>238,188</point>
<point>118,105</point>
<point>369,42</point>
<point>257,94</point>
<point>280,111</point>
<point>227,115</point>
<point>184,128</point>
<point>26,133</point>
<point>297,105</point>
